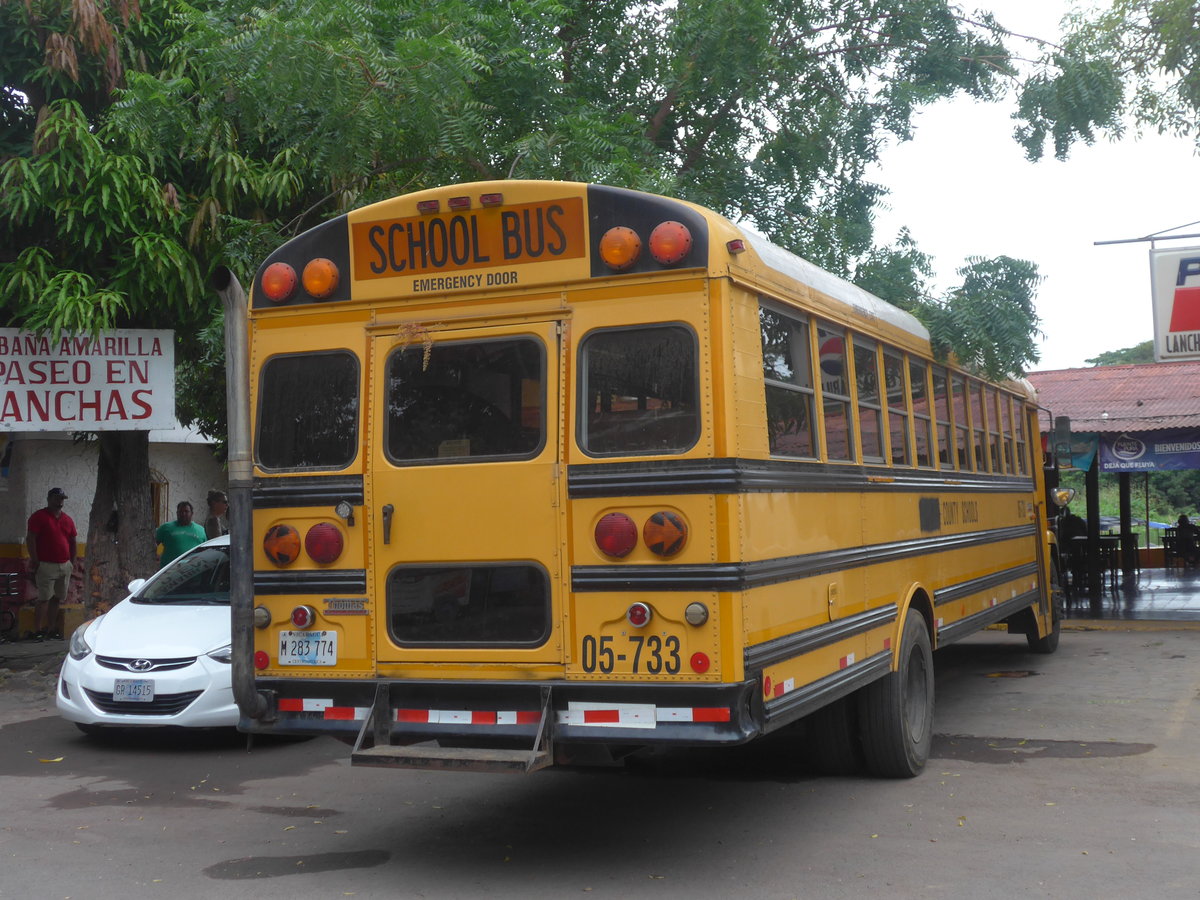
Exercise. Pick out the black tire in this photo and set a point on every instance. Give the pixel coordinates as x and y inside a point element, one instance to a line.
<point>896,712</point>
<point>832,742</point>
<point>1049,643</point>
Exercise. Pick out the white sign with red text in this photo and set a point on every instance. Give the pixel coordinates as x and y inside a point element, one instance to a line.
<point>1175,282</point>
<point>121,380</point>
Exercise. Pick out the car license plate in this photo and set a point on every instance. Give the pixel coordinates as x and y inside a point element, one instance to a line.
<point>133,690</point>
<point>308,648</point>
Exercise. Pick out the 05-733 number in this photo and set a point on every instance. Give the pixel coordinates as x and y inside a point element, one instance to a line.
<point>650,654</point>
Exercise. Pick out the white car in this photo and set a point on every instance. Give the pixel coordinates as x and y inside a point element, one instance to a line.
<point>159,657</point>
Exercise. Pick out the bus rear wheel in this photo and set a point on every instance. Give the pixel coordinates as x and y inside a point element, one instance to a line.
<point>896,712</point>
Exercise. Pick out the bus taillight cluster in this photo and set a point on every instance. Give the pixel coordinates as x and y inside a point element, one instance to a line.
<point>323,543</point>
<point>621,247</point>
<point>320,278</point>
<point>664,534</point>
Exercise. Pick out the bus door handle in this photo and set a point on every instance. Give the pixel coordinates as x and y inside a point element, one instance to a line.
<point>388,509</point>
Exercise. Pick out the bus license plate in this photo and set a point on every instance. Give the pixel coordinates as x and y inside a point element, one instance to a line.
<point>133,690</point>
<point>308,648</point>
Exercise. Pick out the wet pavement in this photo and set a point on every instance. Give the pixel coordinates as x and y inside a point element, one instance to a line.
<point>1149,595</point>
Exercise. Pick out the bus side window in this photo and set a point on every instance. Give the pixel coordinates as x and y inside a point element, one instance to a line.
<point>308,411</point>
<point>638,391</point>
<point>835,393</point>
<point>788,383</point>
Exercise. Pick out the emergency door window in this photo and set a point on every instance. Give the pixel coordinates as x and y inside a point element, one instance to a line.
<point>462,401</point>
<point>308,411</point>
<point>638,391</point>
<point>475,605</point>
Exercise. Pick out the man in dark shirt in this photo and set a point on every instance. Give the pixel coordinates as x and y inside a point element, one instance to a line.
<point>50,539</point>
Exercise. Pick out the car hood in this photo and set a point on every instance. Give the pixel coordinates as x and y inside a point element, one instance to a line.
<point>160,631</point>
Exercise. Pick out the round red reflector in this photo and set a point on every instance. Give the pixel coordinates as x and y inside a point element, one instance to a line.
<point>278,281</point>
<point>320,277</point>
<point>303,616</point>
<point>766,685</point>
<point>323,543</point>
<point>665,533</point>
<point>620,247</point>
<point>261,660</point>
<point>282,544</point>
<point>638,615</point>
<point>700,662</point>
<point>670,242</point>
<point>616,534</point>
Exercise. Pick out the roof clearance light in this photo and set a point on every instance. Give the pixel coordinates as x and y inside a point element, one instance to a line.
<point>737,245</point>
<point>638,614</point>
<point>616,535</point>
<point>278,281</point>
<point>670,243</point>
<point>665,533</point>
<point>320,277</point>
<point>459,203</point>
<point>620,248</point>
<point>491,199</point>
<point>428,206</point>
<point>323,543</point>
<point>282,544</point>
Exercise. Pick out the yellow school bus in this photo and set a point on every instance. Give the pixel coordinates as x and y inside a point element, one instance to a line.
<point>548,472</point>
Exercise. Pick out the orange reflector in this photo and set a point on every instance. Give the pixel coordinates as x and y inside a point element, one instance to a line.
<point>616,534</point>
<point>620,247</point>
<point>323,543</point>
<point>670,242</point>
<point>320,277</point>
<point>282,544</point>
<point>665,533</point>
<point>278,281</point>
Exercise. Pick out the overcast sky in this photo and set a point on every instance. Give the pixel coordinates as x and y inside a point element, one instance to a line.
<point>963,188</point>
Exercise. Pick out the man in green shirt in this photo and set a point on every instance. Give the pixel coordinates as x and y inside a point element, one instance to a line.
<point>179,536</point>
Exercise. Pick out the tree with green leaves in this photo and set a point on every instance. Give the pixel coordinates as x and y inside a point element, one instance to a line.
<point>148,145</point>
<point>1139,353</point>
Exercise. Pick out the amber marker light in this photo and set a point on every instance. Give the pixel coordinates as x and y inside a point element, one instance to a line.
<point>278,281</point>
<point>620,248</point>
<point>323,543</point>
<point>320,277</point>
<point>665,533</point>
<point>616,534</point>
<point>670,242</point>
<point>282,544</point>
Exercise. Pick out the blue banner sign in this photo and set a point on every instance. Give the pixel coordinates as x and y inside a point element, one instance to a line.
<point>1172,449</point>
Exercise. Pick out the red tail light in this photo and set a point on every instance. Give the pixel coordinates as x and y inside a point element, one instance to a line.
<point>616,534</point>
<point>323,543</point>
<point>638,615</point>
<point>670,242</point>
<point>303,616</point>
<point>278,282</point>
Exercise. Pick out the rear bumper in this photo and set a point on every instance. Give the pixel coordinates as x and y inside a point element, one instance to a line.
<point>509,714</point>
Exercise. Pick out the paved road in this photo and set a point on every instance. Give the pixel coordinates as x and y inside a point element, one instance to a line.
<point>1074,775</point>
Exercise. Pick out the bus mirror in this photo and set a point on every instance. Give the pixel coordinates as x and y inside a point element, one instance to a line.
<point>1062,442</point>
<point>1062,496</point>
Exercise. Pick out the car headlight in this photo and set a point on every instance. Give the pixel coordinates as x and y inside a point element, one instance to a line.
<point>222,654</point>
<point>79,646</point>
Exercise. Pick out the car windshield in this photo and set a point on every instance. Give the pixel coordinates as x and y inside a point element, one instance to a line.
<point>199,577</point>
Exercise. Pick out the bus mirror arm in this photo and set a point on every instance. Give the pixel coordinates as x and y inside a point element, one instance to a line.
<point>252,704</point>
<point>388,509</point>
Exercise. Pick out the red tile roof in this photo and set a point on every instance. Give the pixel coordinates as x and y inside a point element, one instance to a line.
<point>1142,397</point>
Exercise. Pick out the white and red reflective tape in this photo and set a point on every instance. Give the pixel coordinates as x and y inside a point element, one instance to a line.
<point>624,715</point>
<point>326,707</point>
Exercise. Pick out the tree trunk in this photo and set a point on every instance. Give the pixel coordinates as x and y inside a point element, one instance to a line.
<point>120,544</point>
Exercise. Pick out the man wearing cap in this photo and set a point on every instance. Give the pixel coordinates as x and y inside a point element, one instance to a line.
<point>50,539</point>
